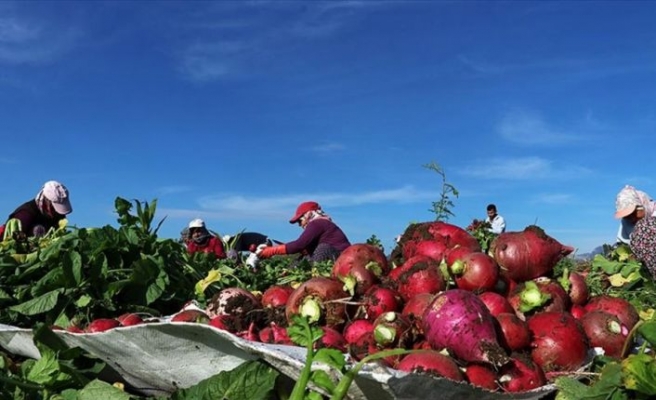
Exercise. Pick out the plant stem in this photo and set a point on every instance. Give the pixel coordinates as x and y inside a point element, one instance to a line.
<point>298,393</point>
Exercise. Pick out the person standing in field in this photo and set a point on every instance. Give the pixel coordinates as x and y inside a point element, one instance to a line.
<point>38,215</point>
<point>201,240</point>
<point>496,221</point>
<point>321,239</point>
<point>631,206</point>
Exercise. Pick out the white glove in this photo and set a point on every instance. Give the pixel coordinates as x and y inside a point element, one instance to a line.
<point>252,260</point>
<point>259,249</point>
<point>226,238</point>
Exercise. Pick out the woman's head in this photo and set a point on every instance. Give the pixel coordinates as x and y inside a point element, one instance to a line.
<point>302,212</point>
<point>53,200</point>
<point>198,232</point>
<point>629,204</point>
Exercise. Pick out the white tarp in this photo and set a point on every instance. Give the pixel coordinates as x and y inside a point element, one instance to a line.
<point>157,358</point>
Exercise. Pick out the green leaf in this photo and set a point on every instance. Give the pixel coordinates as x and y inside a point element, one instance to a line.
<point>648,331</point>
<point>608,266</point>
<point>38,305</point>
<point>97,389</point>
<point>72,267</point>
<point>571,389</point>
<point>323,380</point>
<point>334,358</point>
<point>68,394</point>
<point>638,371</point>
<point>44,369</point>
<point>83,301</point>
<point>302,333</point>
<point>251,380</point>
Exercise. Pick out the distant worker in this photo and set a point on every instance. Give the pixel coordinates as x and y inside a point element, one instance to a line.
<point>321,240</point>
<point>631,205</point>
<point>201,240</point>
<point>39,215</point>
<point>245,242</point>
<point>496,221</point>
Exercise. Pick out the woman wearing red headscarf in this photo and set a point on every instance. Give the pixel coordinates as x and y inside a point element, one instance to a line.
<point>321,239</point>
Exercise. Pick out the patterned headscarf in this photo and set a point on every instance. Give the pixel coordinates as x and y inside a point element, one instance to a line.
<point>41,201</point>
<point>629,198</point>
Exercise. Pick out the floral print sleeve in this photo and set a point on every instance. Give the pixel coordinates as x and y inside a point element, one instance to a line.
<point>643,243</point>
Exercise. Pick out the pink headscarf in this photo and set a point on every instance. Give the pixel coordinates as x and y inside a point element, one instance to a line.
<point>629,198</point>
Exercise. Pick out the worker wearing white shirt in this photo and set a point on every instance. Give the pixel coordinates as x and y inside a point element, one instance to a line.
<point>496,221</point>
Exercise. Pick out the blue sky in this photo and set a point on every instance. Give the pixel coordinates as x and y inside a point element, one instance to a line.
<point>235,112</point>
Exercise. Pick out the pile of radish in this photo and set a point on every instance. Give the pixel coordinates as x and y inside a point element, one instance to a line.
<point>498,320</point>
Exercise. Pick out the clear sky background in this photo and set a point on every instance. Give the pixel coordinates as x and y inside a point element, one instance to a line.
<point>235,112</point>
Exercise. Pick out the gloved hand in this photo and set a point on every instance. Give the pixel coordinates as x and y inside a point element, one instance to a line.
<point>271,251</point>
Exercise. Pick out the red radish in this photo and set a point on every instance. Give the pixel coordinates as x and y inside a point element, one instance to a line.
<point>357,328</point>
<point>363,346</point>
<point>476,272</point>
<point>276,296</point>
<point>365,255</point>
<point>527,254</point>
<point>456,253</point>
<point>319,299</point>
<point>275,334</point>
<point>250,334</point>
<point>496,303</point>
<point>606,331</point>
<point>331,339</point>
<point>577,311</point>
<point>358,280</point>
<point>225,322</point>
<point>625,311</point>
<point>541,294</point>
<point>74,329</point>
<point>102,324</point>
<point>577,289</point>
<point>190,316</point>
<point>482,375</point>
<point>234,301</point>
<point>514,335</point>
<point>419,274</point>
<point>455,235</point>
<point>414,309</point>
<point>559,342</point>
<point>391,329</point>
<point>380,299</point>
<point>521,374</point>
<point>459,321</point>
<point>432,248</point>
<point>130,319</point>
<point>431,362</point>
<point>443,232</point>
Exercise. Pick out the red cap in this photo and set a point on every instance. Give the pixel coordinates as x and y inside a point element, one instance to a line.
<point>303,208</point>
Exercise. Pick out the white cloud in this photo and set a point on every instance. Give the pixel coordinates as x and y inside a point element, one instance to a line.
<point>234,207</point>
<point>527,128</point>
<point>327,148</point>
<point>26,42</point>
<point>264,38</point>
<point>173,189</point>
<point>522,168</point>
<point>554,198</point>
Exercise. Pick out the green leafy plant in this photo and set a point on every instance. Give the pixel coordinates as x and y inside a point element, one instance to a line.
<point>305,334</point>
<point>443,206</point>
<point>480,229</point>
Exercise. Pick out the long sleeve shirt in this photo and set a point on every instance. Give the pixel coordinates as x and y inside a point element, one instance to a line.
<point>498,224</point>
<point>318,231</point>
